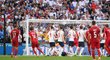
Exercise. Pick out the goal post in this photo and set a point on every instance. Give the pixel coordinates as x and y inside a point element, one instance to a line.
<point>26,22</point>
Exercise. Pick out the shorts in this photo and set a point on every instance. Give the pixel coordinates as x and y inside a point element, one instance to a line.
<point>35,44</point>
<point>71,43</point>
<point>102,45</point>
<point>95,45</point>
<point>52,44</point>
<point>15,43</point>
<point>107,42</point>
<point>76,43</point>
<point>81,44</point>
<point>61,44</point>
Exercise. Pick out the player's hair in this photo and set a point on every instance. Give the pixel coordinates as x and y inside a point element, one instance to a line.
<point>31,28</point>
<point>106,25</point>
<point>51,27</point>
<point>88,26</point>
<point>81,27</point>
<point>93,22</point>
<point>102,30</point>
<point>71,27</point>
<point>14,25</point>
<point>61,27</point>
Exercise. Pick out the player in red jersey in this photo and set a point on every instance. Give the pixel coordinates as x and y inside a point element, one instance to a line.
<point>34,40</point>
<point>95,40</point>
<point>14,37</point>
<point>76,39</point>
<point>87,37</point>
<point>107,39</point>
<point>76,42</point>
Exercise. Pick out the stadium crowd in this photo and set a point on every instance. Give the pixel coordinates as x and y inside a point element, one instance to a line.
<point>20,10</point>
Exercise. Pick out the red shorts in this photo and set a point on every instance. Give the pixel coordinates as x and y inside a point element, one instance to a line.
<point>107,42</point>
<point>95,44</point>
<point>76,42</point>
<point>35,44</point>
<point>15,43</point>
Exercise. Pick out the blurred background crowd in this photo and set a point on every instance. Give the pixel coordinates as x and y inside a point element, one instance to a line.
<point>20,10</point>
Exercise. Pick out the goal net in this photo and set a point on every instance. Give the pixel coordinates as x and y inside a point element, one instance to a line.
<point>41,25</point>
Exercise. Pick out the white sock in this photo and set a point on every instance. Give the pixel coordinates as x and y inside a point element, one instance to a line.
<point>46,50</point>
<point>49,51</point>
<point>71,50</point>
<point>81,51</point>
<point>61,50</point>
<point>76,50</point>
<point>53,50</point>
<point>101,52</point>
<point>66,49</point>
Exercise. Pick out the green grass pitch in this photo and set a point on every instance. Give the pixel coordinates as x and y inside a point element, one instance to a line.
<point>50,58</point>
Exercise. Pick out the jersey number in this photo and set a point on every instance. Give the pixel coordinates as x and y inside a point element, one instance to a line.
<point>14,34</point>
<point>34,36</point>
<point>95,35</point>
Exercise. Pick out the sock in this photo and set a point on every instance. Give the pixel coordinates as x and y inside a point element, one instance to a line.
<point>107,49</point>
<point>93,54</point>
<point>99,52</point>
<point>52,51</point>
<point>76,50</point>
<point>81,51</point>
<point>13,51</point>
<point>103,51</point>
<point>89,50</point>
<point>46,50</point>
<point>61,50</point>
<point>16,52</point>
<point>71,50</point>
<point>49,51</point>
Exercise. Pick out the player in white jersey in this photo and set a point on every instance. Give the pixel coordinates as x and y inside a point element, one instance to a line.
<point>51,34</point>
<point>102,50</point>
<point>60,36</point>
<point>81,33</point>
<point>71,35</point>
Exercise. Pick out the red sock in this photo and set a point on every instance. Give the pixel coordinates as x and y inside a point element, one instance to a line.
<point>34,51</point>
<point>107,49</point>
<point>93,54</point>
<point>16,51</point>
<point>40,50</point>
<point>99,52</point>
<point>13,51</point>
<point>89,50</point>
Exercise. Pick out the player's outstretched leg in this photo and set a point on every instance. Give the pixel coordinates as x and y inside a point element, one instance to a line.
<point>77,48</point>
<point>99,54</point>
<point>89,50</point>
<point>71,50</point>
<point>107,49</point>
<point>40,50</point>
<point>93,54</point>
<point>34,51</point>
<point>13,52</point>
<point>81,51</point>
<point>16,51</point>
